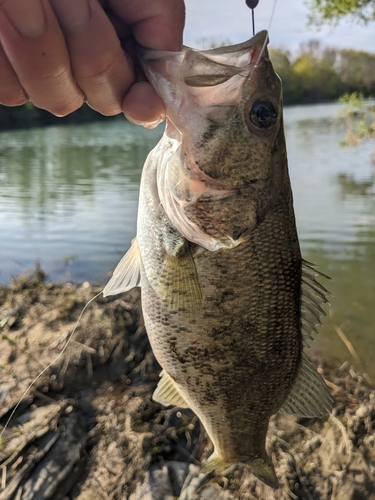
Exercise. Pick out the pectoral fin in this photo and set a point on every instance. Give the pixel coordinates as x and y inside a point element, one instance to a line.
<point>166,392</point>
<point>179,284</point>
<point>309,395</point>
<point>127,273</point>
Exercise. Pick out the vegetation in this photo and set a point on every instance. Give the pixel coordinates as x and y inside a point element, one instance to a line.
<point>314,74</point>
<point>359,119</point>
<point>318,74</point>
<point>332,11</point>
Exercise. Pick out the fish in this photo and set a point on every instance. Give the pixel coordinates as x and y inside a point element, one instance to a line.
<point>228,302</point>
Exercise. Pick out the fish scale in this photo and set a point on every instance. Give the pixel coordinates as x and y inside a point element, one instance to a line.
<point>228,302</point>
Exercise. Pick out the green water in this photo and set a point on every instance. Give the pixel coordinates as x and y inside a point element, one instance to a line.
<point>68,200</point>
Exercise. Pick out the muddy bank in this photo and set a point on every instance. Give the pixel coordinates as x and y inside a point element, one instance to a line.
<point>89,430</point>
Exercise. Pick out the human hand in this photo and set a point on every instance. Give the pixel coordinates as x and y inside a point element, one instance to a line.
<point>60,53</point>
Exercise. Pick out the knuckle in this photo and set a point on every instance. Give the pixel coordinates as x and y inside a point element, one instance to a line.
<point>107,109</point>
<point>64,108</point>
<point>57,92</point>
<point>103,68</point>
<point>55,76</point>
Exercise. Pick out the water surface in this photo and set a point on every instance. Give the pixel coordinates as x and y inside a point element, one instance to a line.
<point>68,200</point>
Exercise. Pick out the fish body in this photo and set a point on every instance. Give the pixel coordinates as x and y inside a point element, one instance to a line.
<point>228,301</point>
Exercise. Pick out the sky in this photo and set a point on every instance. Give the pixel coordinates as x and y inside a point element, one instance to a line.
<point>231,20</point>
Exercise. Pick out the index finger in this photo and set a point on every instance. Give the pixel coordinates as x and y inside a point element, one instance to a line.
<point>157,24</point>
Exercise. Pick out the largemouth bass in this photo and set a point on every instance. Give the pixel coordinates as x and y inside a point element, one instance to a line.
<point>228,301</point>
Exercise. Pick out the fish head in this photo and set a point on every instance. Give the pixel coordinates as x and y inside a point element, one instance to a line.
<point>224,124</point>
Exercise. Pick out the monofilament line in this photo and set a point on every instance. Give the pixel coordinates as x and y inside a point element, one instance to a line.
<point>266,40</point>
<point>49,366</point>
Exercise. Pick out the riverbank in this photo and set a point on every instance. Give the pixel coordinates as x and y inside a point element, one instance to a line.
<point>28,116</point>
<point>89,430</point>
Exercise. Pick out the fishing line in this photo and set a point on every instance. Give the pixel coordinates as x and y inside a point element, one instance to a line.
<point>268,29</point>
<point>49,366</point>
<point>252,2</point>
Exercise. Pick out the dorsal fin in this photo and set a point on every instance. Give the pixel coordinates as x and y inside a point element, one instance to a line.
<point>127,273</point>
<point>309,395</point>
<point>313,296</point>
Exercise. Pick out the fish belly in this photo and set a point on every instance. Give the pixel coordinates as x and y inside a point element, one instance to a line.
<point>235,358</point>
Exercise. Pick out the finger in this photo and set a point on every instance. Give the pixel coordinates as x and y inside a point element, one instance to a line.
<point>35,47</point>
<point>157,24</point>
<point>143,106</point>
<point>99,65</point>
<point>11,91</point>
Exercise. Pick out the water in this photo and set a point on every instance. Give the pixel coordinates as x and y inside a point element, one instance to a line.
<point>68,200</point>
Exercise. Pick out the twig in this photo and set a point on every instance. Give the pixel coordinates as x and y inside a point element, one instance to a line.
<point>348,344</point>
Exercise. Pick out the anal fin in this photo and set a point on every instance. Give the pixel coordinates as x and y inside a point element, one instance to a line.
<point>309,395</point>
<point>166,392</point>
<point>214,462</point>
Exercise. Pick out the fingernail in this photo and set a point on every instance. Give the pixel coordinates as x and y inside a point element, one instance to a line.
<point>146,124</point>
<point>153,124</point>
<point>27,16</point>
<point>72,14</point>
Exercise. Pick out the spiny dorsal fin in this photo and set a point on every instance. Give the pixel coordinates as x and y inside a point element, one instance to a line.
<point>127,273</point>
<point>179,284</point>
<point>166,392</point>
<point>313,295</point>
<point>309,395</point>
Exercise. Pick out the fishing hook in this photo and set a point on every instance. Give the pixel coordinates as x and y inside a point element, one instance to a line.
<point>252,4</point>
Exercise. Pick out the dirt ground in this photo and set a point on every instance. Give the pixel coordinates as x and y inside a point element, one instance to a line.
<point>88,429</point>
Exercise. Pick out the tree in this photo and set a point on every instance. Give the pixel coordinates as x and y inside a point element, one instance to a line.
<point>281,60</point>
<point>318,78</point>
<point>332,11</point>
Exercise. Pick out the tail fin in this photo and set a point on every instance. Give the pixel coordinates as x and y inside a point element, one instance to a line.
<point>264,470</point>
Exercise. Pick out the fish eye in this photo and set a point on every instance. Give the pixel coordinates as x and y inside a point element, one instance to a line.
<point>263,113</point>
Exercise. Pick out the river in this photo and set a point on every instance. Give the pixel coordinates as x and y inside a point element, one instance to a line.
<point>68,200</point>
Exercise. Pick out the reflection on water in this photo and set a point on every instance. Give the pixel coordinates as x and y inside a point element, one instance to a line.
<point>69,200</point>
<point>334,196</point>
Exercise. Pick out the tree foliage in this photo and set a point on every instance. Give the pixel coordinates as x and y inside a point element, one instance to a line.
<point>317,74</point>
<point>332,11</point>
